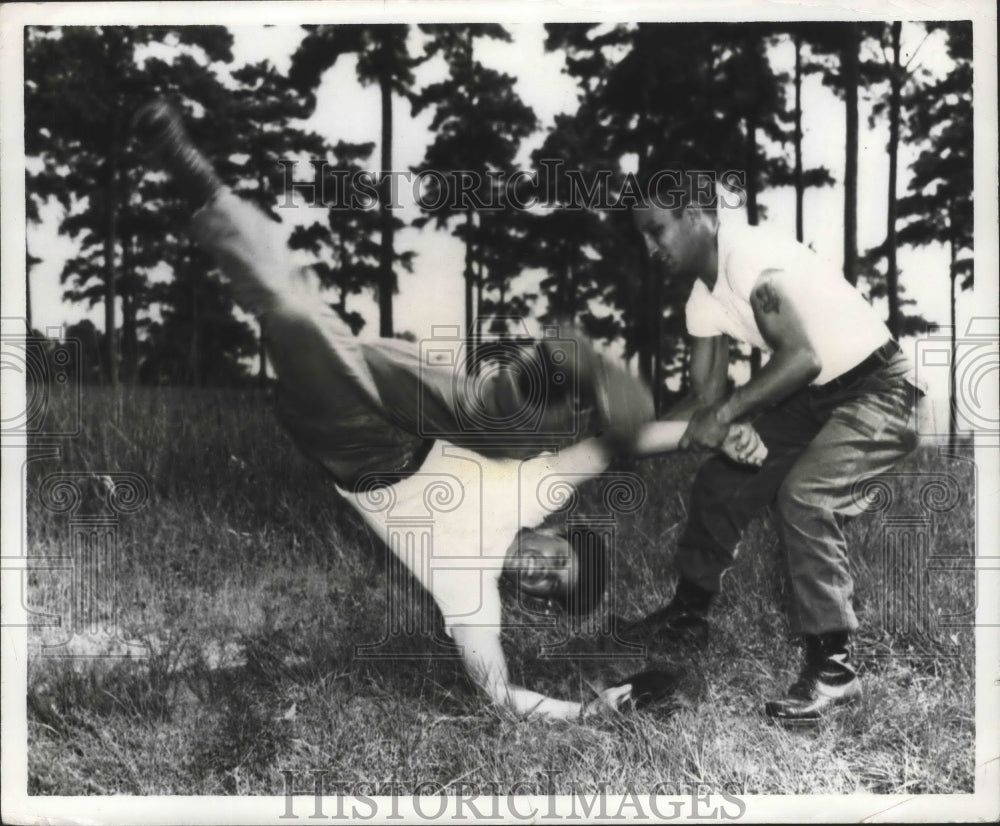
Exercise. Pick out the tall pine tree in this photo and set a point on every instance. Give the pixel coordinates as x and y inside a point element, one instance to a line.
<point>938,207</point>
<point>82,85</point>
<point>479,122</point>
<point>383,59</point>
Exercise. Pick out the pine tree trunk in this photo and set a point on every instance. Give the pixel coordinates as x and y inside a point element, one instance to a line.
<point>753,212</point>
<point>27,289</point>
<point>110,274</point>
<point>387,281</point>
<point>569,297</point>
<point>479,288</point>
<point>651,270</point>
<point>685,371</point>
<point>891,275</point>
<point>469,276</point>
<point>849,67</point>
<point>480,267</point>
<point>129,339</point>
<point>797,139</point>
<point>646,347</point>
<point>194,353</point>
<point>130,310</point>
<point>952,389</point>
<point>262,354</point>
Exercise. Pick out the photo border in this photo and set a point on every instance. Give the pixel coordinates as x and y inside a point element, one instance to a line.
<point>17,806</point>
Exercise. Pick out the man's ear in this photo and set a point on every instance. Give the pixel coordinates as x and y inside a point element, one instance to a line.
<point>694,215</point>
<point>689,219</point>
<point>698,217</point>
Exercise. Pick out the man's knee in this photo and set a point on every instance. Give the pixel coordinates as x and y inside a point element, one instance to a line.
<point>797,495</point>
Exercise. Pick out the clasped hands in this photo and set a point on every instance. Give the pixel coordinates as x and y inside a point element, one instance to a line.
<point>710,428</point>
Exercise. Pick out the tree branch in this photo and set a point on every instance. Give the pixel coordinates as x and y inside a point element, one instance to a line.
<point>916,51</point>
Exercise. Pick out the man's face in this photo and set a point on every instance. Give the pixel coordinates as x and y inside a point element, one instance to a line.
<point>546,565</point>
<point>681,240</point>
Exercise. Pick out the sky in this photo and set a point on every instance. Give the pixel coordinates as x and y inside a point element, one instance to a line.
<point>432,294</point>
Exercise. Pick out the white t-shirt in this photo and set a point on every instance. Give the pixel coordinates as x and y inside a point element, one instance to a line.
<point>452,522</point>
<point>841,325</point>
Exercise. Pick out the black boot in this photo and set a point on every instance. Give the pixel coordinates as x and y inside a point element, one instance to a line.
<point>826,680</point>
<point>683,619</point>
<point>159,128</point>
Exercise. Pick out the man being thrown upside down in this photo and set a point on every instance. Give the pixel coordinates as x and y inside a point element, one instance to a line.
<point>362,410</point>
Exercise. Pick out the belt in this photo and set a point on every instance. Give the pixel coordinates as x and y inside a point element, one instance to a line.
<point>877,359</point>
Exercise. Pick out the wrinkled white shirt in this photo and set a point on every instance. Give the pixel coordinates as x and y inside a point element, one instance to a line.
<point>842,327</point>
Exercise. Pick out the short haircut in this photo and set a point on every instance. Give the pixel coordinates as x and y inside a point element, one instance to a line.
<point>676,189</point>
<point>593,573</point>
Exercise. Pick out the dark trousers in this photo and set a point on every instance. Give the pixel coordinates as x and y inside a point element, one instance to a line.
<point>820,444</point>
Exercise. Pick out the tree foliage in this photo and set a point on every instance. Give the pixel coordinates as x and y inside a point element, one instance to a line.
<point>383,58</point>
<point>479,121</point>
<point>82,87</point>
<point>650,97</point>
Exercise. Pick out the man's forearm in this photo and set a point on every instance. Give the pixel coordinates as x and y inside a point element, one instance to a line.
<point>783,375</point>
<point>689,405</point>
<point>659,437</point>
<point>683,410</point>
<point>484,660</point>
<point>525,702</point>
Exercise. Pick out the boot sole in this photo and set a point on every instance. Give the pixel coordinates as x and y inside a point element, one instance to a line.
<point>836,707</point>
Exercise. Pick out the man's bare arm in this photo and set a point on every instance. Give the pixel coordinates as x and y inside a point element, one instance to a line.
<point>793,363</point>
<point>741,444</point>
<point>709,366</point>
<point>485,661</point>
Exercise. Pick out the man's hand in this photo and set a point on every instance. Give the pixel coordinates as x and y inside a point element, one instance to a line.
<point>743,444</point>
<point>706,428</point>
<point>640,690</point>
<point>611,699</point>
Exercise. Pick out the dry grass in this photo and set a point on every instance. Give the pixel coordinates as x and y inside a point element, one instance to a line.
<point>251,583</point>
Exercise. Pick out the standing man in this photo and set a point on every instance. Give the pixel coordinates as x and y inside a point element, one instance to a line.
<point>832,404</point>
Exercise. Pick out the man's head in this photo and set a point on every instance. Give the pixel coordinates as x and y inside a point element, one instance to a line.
<point>678,224</point>
<point>547,567</point>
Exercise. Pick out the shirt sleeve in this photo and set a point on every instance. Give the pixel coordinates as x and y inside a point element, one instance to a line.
<point>752,250</point>
<point>699,312</point>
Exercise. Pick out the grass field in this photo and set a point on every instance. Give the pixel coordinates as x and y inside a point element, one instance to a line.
<point>251,583</point>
